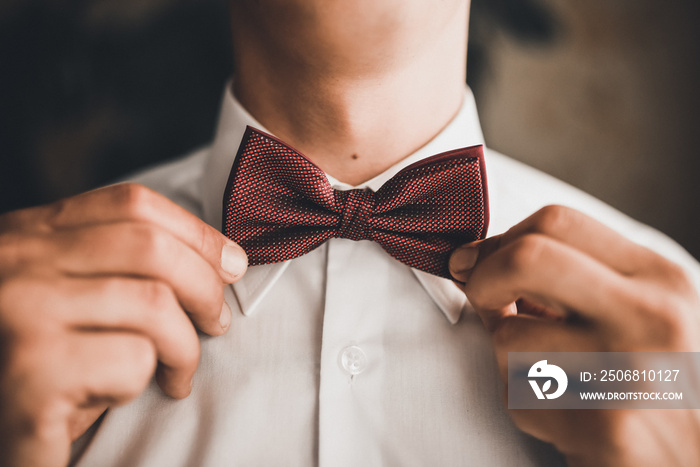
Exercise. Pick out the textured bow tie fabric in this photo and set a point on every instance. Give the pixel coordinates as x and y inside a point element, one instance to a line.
<point>278,205</point>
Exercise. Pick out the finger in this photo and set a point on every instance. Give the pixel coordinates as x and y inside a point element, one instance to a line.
<point>82,370</point>
<point>147,307</point>
<point>550,273</point>
<point>133,202</point>
<point>83,418</point>
<point>111,304</point>
<point>522,307</point>
<point>464,258</point>
<point>50,450</point>
<point>587,235</point>
<point>492,318</point>
<point>527,334</point>
<point>142,251</point>
<point>107,368</point>
<point>535,310</point>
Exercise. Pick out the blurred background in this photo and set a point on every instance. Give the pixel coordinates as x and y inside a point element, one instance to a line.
<point>600,93</point>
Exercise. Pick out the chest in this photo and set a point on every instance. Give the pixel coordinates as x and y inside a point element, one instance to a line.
<point>347,360</point>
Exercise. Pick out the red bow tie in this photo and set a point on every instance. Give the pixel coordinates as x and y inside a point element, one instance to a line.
<point>278,205</point>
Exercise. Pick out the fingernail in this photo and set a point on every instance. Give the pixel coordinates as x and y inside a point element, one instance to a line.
<point>225,317</point>
<point>463,259</point>
<point>233,260</point>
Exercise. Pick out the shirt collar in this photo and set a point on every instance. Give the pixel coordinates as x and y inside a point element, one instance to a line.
<point>463,131</point>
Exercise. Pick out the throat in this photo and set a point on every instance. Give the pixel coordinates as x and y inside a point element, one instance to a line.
<point>354,111</point>
<point>358,132</point>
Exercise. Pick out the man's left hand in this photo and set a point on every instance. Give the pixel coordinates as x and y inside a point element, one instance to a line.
<point>560,281</point>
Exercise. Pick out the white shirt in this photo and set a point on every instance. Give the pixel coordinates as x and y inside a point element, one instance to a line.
<point>344,356</point>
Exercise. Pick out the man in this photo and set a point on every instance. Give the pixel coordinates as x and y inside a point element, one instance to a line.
<point>342,356</point>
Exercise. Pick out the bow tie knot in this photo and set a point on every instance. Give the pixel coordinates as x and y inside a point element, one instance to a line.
<point>356,208</point>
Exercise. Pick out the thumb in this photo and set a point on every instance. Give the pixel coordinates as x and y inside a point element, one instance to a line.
<point>465,258</point>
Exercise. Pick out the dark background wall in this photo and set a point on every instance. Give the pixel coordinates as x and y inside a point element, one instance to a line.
<point>599,93</point>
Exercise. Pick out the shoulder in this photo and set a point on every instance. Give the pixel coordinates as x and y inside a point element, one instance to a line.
<point>179,180</point>
<point>517,190</point>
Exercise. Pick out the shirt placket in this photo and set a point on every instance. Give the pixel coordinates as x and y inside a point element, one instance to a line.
<point>350,419</point>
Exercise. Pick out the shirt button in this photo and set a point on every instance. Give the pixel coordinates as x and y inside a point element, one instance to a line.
<point>353,359</point>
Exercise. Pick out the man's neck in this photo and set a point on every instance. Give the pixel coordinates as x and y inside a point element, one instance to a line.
<point>353,107</point>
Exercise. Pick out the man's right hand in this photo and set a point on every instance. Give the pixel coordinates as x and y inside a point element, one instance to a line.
<point>97,292</point>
